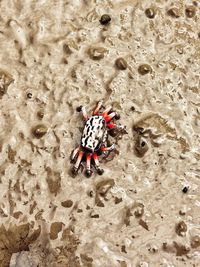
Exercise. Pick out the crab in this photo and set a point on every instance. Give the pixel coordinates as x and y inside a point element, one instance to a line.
<point>94,138</point>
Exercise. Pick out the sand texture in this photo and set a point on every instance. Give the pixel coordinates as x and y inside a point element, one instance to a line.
<point>144,211</point>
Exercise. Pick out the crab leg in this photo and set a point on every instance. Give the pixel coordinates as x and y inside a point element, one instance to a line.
<point>97,166</point>
<point>88,165</point>
<point>78,161</point>
<point>85,116</point>
<point>105,113</point>
<point>97,107</point>
<point>74,153</point>
<point>83,110</point>
<point>113,126</point>
<point>110,116</point>
<point>110,148</point>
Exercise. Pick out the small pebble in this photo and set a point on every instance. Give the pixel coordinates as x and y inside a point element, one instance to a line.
<point>96,53</point>
<point>195,242</point>
<point>182,212</point>
<point>181,228</point>
<point>185,189</point>
<point>144,69</point>
<point>121,63</point>
<point>105,19</point>
<point>190,11</point>
<point>150,13</point>
<point>195,3</point>
<point>29,95</point>
<point>174,12</point>
<point>143,264</point>
<point>78,109</point>
<point>39,130</point>
<point>40,114</point>
<point>141,147</point>
<point>67,203</point>
<point>139,211</point>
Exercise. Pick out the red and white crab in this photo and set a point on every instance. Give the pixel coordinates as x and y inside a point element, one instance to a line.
<point>94,138</point>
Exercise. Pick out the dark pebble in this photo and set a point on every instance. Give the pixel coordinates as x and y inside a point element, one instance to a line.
<point>150,13</point>
<point>174,12</point>
<point>121,63</point>
<point>105,19</point>
<point>40,114</point>
<point>78,109</point>
<point>185,189</point>
<point>190,11</point>
<point>144,69</point>
<point>29,95</point>
<point>39,130</point>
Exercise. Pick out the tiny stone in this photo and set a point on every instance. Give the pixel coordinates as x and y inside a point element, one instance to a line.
<point>94,216</point>
<point>67,203</point>
<point>40,114</point>
<point>143,144</point>
<point>139,210</point>
<point>39,130</point>
<point>174,12</point>
<point>78,109</point>
<point>123,249</point>
<point>185,189</point>
<point>141,147</point>
<point>96,53</point>
<point>105,19</point>
<point>195,242</point>
<point>150,13</point>
<point>121,63</point>
<point>190,11</point>
<point>79,210</point>
<point>144,69</point>
<point>118,200</point>
<point>29,95</point>
<point>182,212</point>
<point>153,249</point>
<point>90,193</point>
<point>181,228</point>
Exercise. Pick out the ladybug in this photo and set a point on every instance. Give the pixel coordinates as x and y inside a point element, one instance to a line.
<point>94,138</point>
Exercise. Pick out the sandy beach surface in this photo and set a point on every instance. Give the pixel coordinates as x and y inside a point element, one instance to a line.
<point>55,55</point>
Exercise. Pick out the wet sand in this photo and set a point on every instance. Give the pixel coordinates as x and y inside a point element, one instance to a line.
<point>144,210</point>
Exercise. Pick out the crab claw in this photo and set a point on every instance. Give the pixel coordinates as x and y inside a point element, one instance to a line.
<point>74,154</point>
<point>110,148</point>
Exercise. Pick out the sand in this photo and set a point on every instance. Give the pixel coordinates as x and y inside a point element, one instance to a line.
<point>144,210</point>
